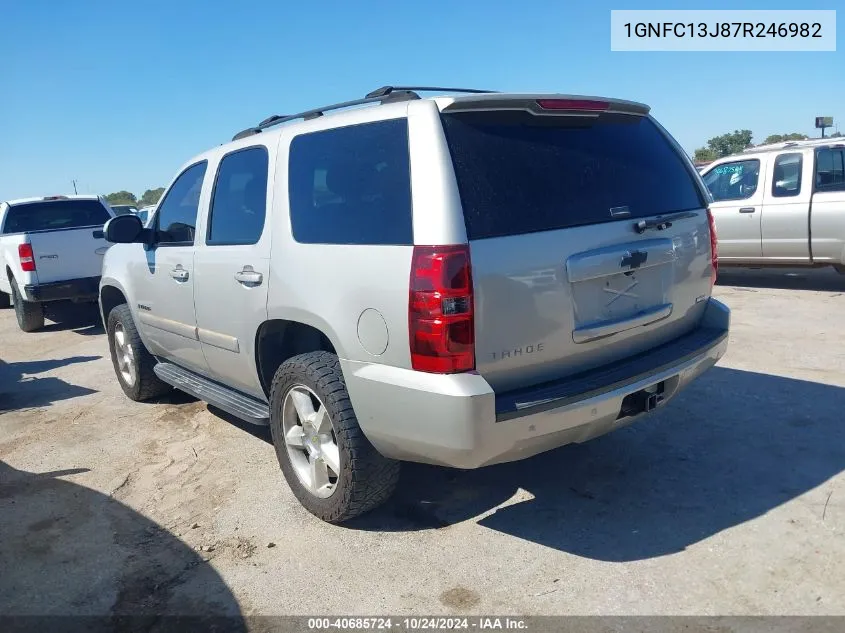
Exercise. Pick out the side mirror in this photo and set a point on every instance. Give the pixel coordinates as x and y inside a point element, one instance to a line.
<point>124,229</point>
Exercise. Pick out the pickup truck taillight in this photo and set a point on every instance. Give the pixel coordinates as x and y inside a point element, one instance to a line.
<point>714,249</point>
<point>27,258</point>
<point>440,310</point>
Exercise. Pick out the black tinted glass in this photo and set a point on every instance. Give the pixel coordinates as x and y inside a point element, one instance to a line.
<point>830,170</point>
<point>519,173</point>
<point>57,214</point>
<point>352,185</point>
<point>240,198</point>
<point>177,215</point>
<point>786,177</point>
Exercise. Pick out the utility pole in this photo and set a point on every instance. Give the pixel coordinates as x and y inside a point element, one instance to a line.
<point>74,187</point>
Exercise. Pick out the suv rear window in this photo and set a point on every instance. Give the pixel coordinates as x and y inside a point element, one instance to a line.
<point>518,173</point>
<point>351,185</point>
<point>57,214</point>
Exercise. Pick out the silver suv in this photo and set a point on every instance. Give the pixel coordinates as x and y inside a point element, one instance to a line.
<point>460,280</point>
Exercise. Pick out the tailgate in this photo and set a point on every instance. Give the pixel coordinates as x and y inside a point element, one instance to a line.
<point>564,279</point>
<point>67,254</point>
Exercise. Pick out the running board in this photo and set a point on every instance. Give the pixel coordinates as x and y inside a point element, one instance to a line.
<point>231,401</point>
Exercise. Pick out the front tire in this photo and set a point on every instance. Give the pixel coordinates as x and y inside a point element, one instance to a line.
<point>330,466</point>
<point>5,300</point>
<point>133,363</point>
<point>30,314</point>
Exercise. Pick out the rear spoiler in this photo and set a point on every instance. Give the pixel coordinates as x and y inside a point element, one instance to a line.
<point>542,104</point>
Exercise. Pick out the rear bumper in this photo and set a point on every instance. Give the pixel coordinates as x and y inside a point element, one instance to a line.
<point>86,288</point>
<point>459,421</point>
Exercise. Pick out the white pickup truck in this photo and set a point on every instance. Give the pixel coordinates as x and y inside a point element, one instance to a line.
<point>51,249</point>
<point>781,205</point>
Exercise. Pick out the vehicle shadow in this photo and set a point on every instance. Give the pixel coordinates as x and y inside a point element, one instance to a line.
<point>81,318</point>
<point>69,550</point>
<point>20,387</point>
<point>823,279</point>
<point>730,448</point>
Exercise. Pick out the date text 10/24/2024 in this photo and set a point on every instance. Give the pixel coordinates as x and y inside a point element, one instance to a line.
<point>418,623</point>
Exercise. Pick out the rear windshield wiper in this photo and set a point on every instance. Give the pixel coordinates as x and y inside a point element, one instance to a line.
<point>663,222</point>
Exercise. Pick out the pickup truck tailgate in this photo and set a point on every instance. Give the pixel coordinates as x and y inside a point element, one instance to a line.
<point>67,254</point>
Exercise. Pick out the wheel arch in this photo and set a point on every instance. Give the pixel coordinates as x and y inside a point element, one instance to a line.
<point>111,296</point>
<point>277,340</point>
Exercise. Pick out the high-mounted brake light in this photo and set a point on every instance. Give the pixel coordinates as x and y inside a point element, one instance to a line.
<point>56,198</point>
<point>440,310</point>
<point>27,258</point>
<point>714,249</point>
<point>572,104</point>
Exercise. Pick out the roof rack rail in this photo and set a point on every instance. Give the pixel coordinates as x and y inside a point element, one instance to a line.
<point>276,119</point>
<point>385,94</point>
<point>387,90</point>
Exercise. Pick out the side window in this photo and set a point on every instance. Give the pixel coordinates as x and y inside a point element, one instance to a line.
<point>176,218</point>
<point>239,201</point>
<point>351,185</point>
<point>786,175</point>
<point>830,170</point>
<point>733,181</point>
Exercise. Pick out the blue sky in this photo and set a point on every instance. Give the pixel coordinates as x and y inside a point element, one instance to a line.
<point>118,94</point>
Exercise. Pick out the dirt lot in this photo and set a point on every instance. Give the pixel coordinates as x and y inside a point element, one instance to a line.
<point>730,501</point>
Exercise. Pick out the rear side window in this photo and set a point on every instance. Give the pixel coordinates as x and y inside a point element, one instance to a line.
<point>733,181</point>
<point>786,179</point>
<point>239,202</point>
<point>519,173</point>
<point>176,219</point>
<point>56,214</point>
<point>830,170</point>
<point>352,185</point>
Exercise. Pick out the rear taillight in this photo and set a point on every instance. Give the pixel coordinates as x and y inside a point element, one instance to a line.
<point>714,249</point>
<point>27,258</point>
<point>440,310</point>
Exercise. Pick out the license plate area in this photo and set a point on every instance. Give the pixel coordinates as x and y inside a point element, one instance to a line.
<point>621,295</point>
<point>613,284</point>
<point>642,401</point>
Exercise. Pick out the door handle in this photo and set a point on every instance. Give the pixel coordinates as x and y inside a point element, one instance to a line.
<point>747,210</point>
<point>248,276</point>
<point>179,274</point>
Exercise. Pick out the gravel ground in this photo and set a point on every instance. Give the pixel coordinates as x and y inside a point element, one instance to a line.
<point>729,501</point>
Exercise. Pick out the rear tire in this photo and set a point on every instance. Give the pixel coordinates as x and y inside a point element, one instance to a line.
<point>30,314</point>
<point>133,364</point>
<point>364,479</point>
<point>5,300</point>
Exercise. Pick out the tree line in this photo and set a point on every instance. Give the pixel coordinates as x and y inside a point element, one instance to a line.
<point>150,197</point>
<point>738,140</point>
